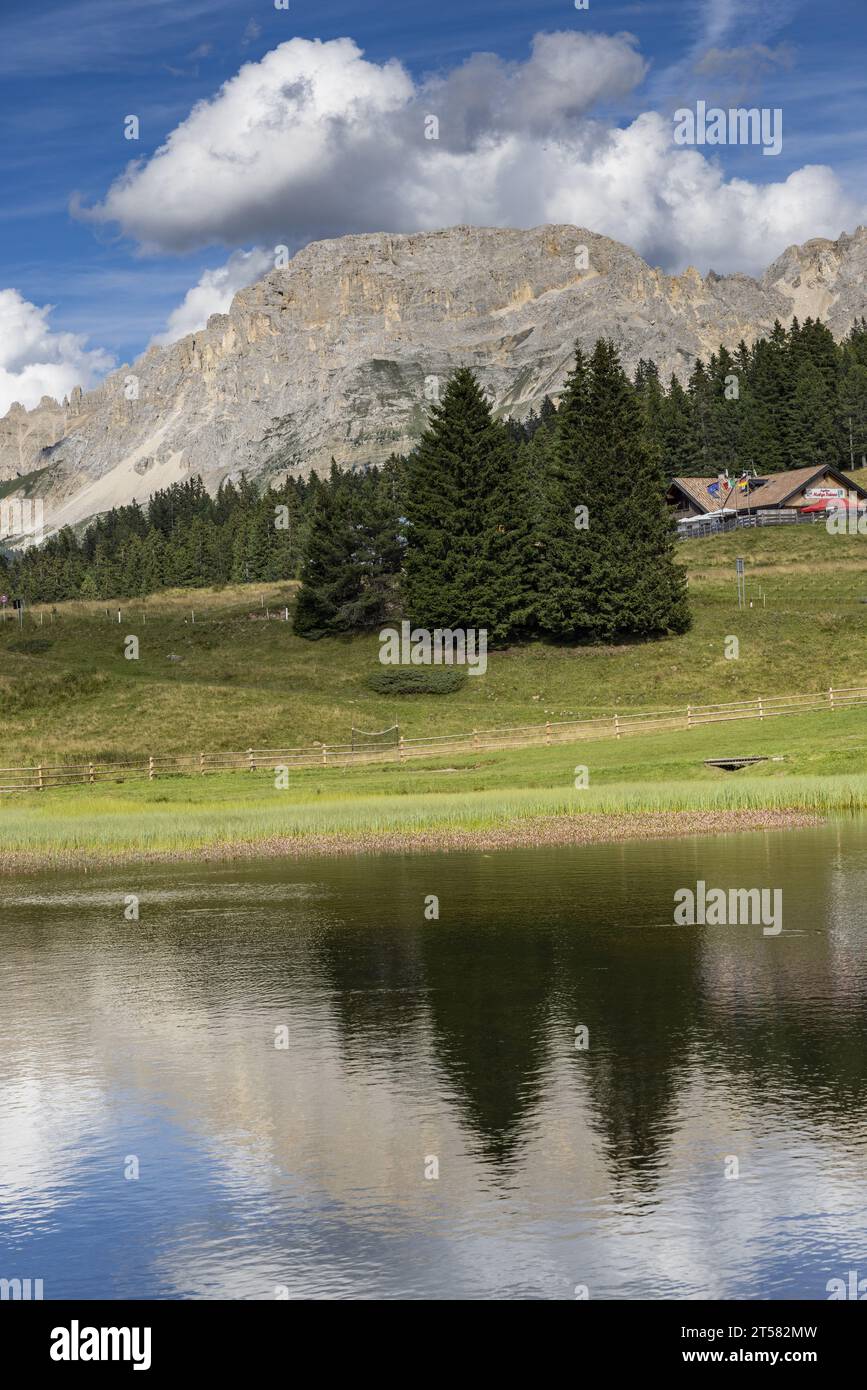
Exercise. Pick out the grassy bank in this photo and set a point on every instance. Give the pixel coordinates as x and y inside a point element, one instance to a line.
<point>236,676</point>
<point>645,785</point>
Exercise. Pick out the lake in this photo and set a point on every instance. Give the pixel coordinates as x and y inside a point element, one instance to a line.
<point>290,1079</point>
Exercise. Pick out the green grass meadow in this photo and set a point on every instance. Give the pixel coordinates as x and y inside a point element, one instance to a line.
<point>233,678</point>
<point>822,769</point>
<point>238,677</point>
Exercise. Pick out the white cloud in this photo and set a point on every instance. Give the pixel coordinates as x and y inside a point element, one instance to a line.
<point>214,293</point>
<point>241,168</point>
<point>35,361</point>
<point>315,141</point>
<point>676,207</point>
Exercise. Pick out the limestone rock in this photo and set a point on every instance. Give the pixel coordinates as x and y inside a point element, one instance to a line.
<point>334,354</point>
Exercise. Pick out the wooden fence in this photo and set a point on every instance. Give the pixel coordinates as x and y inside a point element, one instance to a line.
<point>713,524</point>
<point>270,760</point>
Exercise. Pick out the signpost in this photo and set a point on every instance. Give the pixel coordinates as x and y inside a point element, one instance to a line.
<point>742,583</point>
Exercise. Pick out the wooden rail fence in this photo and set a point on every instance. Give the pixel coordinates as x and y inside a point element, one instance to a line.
<point>270,760</point>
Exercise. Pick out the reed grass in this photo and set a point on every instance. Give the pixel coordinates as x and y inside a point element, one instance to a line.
<point>73,822</point>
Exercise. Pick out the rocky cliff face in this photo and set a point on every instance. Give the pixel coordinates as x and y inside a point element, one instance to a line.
<point>332,355</point>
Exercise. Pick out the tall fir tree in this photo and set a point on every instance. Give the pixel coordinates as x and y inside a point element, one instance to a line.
<point>852,410</point>
<point>652,398</point>
<point>329,578</point>
<point>466,536</point>
<point>813,427</point>
<point>563,565</point>
<point>353,555</point>
<point>765,409</point>
<point>725,411</point>
<point>620,579</point>
<point>676,432</point>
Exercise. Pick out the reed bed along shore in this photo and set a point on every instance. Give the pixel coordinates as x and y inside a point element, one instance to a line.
<point>73,828</point>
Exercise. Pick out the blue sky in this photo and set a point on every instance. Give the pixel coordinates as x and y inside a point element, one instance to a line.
<point>72,71</point>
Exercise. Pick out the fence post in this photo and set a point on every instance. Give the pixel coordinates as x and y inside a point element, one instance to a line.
<point>88,770</point>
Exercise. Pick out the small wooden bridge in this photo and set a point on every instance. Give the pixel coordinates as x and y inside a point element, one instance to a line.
<point>732,764</point>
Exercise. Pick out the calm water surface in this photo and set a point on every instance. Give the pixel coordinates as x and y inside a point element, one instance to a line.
<point>304,1167</point>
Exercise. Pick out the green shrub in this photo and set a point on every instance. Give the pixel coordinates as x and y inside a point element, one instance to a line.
<point>417,680</point>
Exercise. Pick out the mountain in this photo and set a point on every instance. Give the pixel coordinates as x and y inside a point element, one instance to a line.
<point>332,355</point>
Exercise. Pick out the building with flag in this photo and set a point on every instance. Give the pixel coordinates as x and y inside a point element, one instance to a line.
<point>796,490</point>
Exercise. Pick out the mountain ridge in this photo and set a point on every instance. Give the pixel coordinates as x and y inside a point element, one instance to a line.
<point>335,354</point>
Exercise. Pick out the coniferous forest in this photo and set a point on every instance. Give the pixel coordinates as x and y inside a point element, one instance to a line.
<point>554,526</point>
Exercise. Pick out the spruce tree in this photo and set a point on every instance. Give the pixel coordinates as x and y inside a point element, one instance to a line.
<point>676,432</point>
<point>765,408</point>
<point>812,422</point>
<point>652,398</point>
<point>700,397</point>
<point>377,555</point>
<point>620,578</point>
<point>466,534</point>
<point>563,563</point>
<point>328,574</point>
<point>725,411</point>
<point>280,516</point>
<point>852,410</point>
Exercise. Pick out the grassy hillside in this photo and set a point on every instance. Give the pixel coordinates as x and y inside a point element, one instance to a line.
<point>234,677</point>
